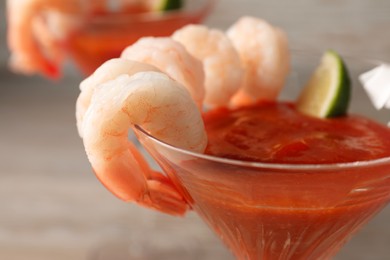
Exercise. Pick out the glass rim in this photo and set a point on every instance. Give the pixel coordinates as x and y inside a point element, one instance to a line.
<point>285,166</point>
<point>265,165</point>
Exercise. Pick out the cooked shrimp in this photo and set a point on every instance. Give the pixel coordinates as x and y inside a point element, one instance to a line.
<point>109,70</point>
<point>33,47</point>
<point>173,59</point>
<point>265,56</point>
<point>27,56</point>
<point>221,62</point>
<point>162,107</point>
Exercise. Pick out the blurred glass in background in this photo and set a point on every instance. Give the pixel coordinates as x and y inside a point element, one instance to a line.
<point>42,34</point>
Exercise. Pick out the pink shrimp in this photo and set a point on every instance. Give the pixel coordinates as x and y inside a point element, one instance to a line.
<point>24,16</point>
<point>123,93</point>
<point>161,106</point>
<point>221,62</point>
<point>173,59</point>
<point>265,56</point>
<point>109,70</point>
<point>31,40</point>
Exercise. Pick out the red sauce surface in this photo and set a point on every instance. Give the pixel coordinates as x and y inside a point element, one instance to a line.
<point>277,133</point>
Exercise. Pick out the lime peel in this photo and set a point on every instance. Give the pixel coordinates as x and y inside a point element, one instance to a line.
<point>167,5</point>
<point>327,93</point>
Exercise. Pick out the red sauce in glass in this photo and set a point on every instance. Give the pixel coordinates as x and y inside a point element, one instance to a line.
<point>272,213</point>
<point>97,41</point>
<point>277,133</point>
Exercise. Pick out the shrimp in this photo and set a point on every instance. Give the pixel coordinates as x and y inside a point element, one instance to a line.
<point>109,70</point>
<point>162,107</point>
<point>221,62</point>
<point>173,59</point>
<point>265,56</point>
<point>27,55</point>
<point>31,40</point>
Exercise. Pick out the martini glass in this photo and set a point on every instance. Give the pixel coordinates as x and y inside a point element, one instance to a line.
<point>90,40</point>
<point>100,31</point>
<point>282,211</point>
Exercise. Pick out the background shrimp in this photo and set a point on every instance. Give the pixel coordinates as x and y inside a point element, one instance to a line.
<point>25,25</point>
<point>162,107</point>
<point>173,59</point>
<point>109,70</point>
<point>221,62</point>
<point>265,56</point>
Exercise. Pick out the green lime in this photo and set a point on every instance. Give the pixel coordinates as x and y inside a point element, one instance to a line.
<point>328,91</point>
<point>167,5</point>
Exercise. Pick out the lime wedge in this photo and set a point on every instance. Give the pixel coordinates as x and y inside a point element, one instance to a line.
<point>327,93</point>
<point>167,5</point>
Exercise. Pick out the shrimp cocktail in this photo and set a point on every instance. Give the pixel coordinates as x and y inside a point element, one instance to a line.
<point>265,145</point>
<point>43,33</point>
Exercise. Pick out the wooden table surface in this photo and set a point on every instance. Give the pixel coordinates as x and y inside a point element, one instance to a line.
<point>51,205</point>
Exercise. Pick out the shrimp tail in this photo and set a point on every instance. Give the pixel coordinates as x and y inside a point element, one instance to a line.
<point>162,196</point>
<point>27,58</point>
<point>157,193</point>
<point>150,189</point>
